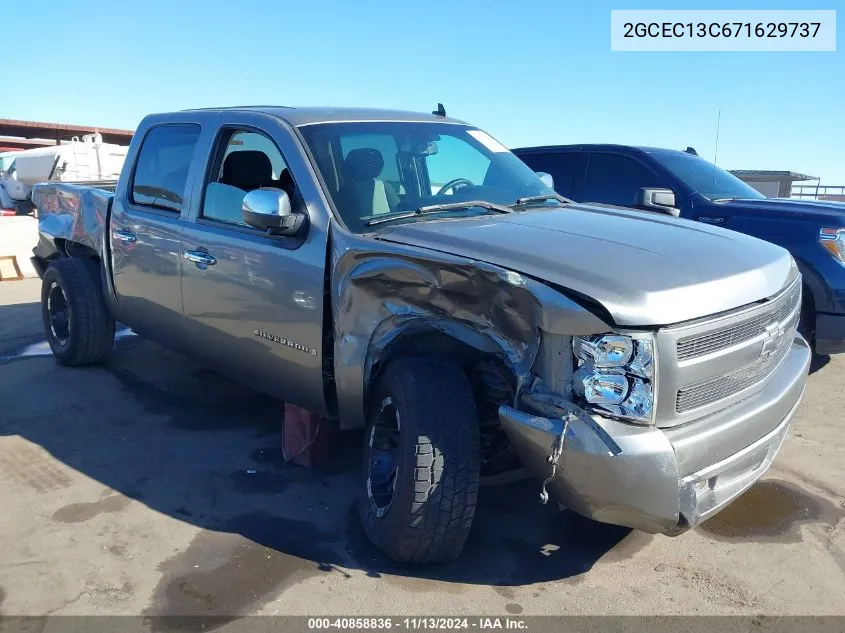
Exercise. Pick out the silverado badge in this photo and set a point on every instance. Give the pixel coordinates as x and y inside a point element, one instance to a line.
<point>299,347</point>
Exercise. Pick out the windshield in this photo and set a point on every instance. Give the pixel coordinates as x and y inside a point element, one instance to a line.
<point>705,178</point>
<point>372,169</point>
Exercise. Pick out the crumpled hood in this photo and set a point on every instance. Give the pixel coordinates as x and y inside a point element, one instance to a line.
<point>644,269</point>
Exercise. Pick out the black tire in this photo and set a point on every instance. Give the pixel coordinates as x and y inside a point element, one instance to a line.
<point>807,318</point>
<point>435,485</point>
<point>72,286</point>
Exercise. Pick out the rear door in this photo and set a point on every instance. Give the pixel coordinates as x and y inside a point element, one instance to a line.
<point>616,179</point>
<point>566,168</point>
<point>253,302</point>
<point>146,231</point>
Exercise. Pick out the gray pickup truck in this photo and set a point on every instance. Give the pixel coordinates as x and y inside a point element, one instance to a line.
<point>407,274</point>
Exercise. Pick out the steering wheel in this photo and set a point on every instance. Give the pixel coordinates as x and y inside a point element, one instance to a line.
<point>453,185</point>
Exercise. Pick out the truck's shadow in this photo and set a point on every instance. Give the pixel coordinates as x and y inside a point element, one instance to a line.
<point>202,449</point>
<point>818,362</point>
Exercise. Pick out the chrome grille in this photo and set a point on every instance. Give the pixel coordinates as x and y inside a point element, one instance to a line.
<point>702,344</point>
<point>721,387</point>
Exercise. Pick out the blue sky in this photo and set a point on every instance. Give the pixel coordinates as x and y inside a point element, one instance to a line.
<point>528,72</point>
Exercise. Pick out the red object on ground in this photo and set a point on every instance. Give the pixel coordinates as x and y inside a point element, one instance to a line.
<point>306,438</point>
<point>7,212</point>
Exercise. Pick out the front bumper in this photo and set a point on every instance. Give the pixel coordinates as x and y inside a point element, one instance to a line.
<point>652,479</point>
<point>830,333</point>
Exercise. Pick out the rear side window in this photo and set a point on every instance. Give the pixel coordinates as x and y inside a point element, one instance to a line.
<point>615,179</point>
<point>161,170</point>
<point>565,168</point>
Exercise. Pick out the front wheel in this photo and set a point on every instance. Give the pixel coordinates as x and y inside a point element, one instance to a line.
<point>77,324</point>
<point>421,462</point>
<point>807,319</point>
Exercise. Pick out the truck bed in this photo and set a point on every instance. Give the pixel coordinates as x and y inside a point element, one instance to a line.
<point>72,212</point>
<point>105,185</point>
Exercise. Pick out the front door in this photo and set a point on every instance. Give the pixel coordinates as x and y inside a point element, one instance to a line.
<point>253,302</point>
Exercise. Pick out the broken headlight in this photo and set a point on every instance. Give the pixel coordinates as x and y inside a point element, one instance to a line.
<point>615,375</point>
<point>833,240</point>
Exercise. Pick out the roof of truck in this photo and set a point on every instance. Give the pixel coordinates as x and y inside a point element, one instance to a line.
<point>595,147</point>
<point>309,115</point>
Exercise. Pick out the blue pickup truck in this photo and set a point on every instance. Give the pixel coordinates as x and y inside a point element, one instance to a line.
<point>682,184</point>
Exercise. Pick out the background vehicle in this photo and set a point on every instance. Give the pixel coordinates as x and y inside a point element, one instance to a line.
<point>6,203</point>
<point>86,160</point>
<point>406,273</point>
<point>6,159</point>
<point>687,186</point>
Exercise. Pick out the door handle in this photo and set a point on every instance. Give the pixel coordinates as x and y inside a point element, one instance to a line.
<point>125,236</point>
<point>201,258</point>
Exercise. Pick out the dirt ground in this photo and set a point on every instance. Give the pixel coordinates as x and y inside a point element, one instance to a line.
<point>151,485</point>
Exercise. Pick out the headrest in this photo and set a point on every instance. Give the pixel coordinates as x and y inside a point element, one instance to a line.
<point>285,181</point>
<point>247,170</point>
<point>364,163</point>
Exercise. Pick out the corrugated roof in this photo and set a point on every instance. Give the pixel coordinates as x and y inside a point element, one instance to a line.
<point>62,131</point>
<point>769,173</point>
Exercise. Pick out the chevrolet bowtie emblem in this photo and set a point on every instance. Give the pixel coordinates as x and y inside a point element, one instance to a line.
<point>772,340</point>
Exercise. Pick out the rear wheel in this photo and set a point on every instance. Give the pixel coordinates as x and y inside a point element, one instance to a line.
<point>79,329</point>
<point>421,462</point>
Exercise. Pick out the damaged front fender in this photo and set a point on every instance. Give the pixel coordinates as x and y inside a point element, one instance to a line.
<point>382,292</point>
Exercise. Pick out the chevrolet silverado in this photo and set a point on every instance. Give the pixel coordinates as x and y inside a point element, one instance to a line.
<point>407,274</point>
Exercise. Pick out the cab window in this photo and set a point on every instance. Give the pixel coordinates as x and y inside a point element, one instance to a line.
<point>384,144</point>
<point>161,171</point>
<point>616,179</point>
<point>565,168</point>
<point>246,161</point>
<point>455,160</point>
<point>373,169</point>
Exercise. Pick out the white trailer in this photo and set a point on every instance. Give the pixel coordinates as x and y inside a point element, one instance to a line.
<point>6,159</point>
<point>85,160</point>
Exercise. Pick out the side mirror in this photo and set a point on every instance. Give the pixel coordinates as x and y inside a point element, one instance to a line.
<point>269,209</point>
<point>662,200</point>
<point>546,178</point>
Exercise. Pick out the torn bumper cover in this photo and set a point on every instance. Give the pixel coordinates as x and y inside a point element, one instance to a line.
<point>649,478</point>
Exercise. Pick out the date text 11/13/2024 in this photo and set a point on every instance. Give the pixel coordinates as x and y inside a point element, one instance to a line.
<point>485,623</point>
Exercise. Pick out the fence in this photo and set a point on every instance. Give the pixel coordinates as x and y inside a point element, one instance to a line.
<point>819,192</point>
